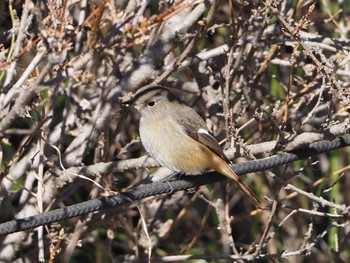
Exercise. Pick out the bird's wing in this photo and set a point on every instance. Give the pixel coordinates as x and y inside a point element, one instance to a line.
<point>195,127</point>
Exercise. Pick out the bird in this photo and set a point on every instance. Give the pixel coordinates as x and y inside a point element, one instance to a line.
<point>177,137</point>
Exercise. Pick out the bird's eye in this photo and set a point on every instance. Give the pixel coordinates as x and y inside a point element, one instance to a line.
<point>151,104</point>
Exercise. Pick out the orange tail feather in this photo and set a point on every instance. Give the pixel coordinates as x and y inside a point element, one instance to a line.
<point>220,166</point>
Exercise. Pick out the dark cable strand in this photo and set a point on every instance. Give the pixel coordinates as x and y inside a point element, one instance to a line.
<point>156,188</point>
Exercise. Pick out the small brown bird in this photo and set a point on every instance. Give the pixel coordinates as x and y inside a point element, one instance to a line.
<point>178,138</point>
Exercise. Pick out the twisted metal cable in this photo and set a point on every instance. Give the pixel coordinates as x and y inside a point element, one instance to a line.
<point>156,188</point>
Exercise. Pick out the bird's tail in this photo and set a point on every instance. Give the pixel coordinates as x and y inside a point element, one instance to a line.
<point>223,168</point>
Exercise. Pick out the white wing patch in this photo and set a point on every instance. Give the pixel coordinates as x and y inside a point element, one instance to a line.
<point>203,131</point>
<point>206,133</point>
<point>209,140</point>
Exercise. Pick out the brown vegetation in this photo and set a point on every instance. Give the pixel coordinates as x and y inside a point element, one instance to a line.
<point>258,71</point>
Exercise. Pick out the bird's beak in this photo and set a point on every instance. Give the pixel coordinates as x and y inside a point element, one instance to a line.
<point>126,100</point>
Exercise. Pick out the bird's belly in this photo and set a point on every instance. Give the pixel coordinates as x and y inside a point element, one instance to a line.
<point>174,149</point>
